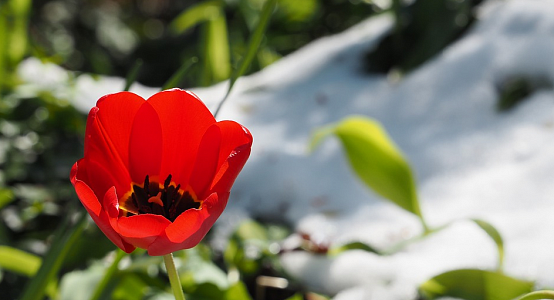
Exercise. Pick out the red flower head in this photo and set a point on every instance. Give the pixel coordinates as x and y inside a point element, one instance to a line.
<point>157,174</point>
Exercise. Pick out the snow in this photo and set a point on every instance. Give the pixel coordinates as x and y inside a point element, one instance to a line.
<point>470,160</point>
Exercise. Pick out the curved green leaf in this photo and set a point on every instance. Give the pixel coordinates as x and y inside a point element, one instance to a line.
<point>18,261</point>
<point>496,237</point>
<point>473,284</point>
<point>6,196</point>
<point>196,14</point>
<point>218,53</point>
<point>376,160</point>
<point>353,246</point>
<point>537,295</point>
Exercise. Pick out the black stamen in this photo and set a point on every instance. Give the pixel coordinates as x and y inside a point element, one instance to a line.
<point>172,202</point>
<point>146,184</point>
<point>167,181</point>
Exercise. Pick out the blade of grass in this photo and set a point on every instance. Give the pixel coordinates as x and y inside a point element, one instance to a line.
<point>3,41</point>
<point>24,263</point>
<point>65,237</point>
<point>18,39</point>
<point>108,275</point>
<point>253,46</point>
<point>205,73</point>
<point>132,76</point>
<point>19,261</point>
<point>194,15</point>
<point>177,79</point>
<point>218,48</point>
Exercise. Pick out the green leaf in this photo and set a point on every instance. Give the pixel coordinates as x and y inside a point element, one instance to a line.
<point>65,237</point>
<point>196,14</point>
<point>195,270</point>
<point>376,160</point>
<point>27,264</point>
<point>251,230</point>
<point>496,237</point>
<point>3,41</point>
<point>538,295</point>
<point>249,235</point>
<point>206,291</point>
<point>18,261</point>
<point>130,287</point>
<point>237,291</point>
<point>6,196</point>
<point>218,53</point>
<point>296,13</point>
<point>296,296</point>
<point>473,284</point>
<point>353,246</point>
<point>17,46</point>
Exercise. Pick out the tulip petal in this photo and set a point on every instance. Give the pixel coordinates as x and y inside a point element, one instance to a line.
<point>110,203</point>
<point>102,177</point>
<point>99,216</point>
<point>190,227</point>
<point>184,120</point>
<point>109,126</point>
<point>145,144</point>
<point>206,163</point>
<point>233,135</point>
<point>142,230</point>
<point>235,149</point>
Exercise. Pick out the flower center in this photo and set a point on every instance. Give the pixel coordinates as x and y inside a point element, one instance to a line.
<point>167,200</point>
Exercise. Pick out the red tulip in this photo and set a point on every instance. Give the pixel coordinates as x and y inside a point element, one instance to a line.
<point>157,174</point>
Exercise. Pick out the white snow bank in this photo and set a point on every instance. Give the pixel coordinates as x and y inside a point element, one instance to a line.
<point>470,160</point>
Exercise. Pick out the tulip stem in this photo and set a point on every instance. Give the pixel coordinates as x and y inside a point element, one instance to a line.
<point>173,277</point>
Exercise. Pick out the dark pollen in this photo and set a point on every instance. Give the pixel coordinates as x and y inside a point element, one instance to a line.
<point>152,198</point>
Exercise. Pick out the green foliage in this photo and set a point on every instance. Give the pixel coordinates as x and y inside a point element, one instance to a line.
<point>353,246</point>
<point>253,47</point>
<point>66,236</point>
<point>496,237</point>
<point>472,284</point>
<point>217,59</point>
<point>132,76</point>
<point>6,196</point>
<point>251,245</point>
<point>18,261</point>
<point>13,37</point>
<point>538,295</point>
<point>196,14</point>
<point>515,89</point>
<point>376,160</point>
<point>178,78</point>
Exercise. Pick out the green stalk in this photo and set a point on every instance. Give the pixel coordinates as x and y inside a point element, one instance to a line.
<point>173,277</point>
<point>253,46</point>
<point>107,278</point>
<point>132,76</point>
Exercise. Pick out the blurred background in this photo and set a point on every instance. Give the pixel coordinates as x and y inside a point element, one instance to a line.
<point>41,134</point>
